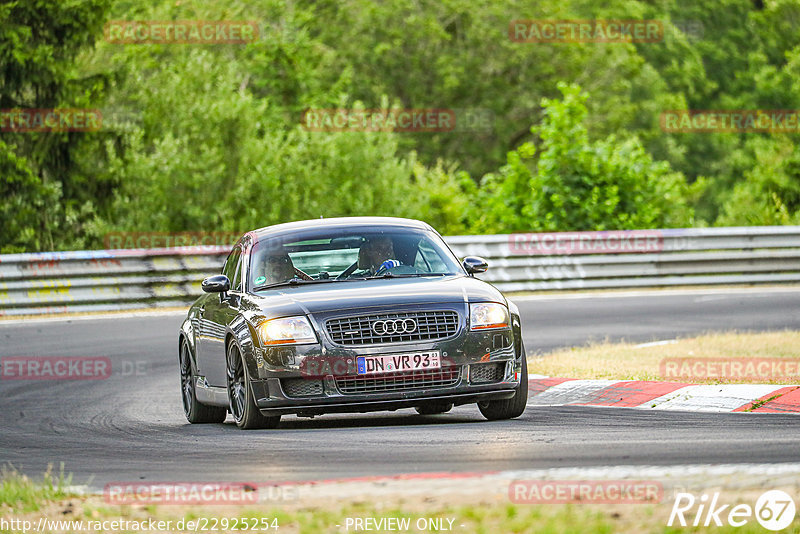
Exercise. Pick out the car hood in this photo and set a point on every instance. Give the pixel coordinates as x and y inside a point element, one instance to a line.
<point>320,298</point>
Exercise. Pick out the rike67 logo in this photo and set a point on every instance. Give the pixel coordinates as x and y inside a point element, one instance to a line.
<point>774,510</point>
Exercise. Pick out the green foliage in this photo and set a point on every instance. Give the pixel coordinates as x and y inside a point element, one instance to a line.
<point>770,192</point>
<point>208,137</point>
<point>50,198</point>
<point>18,493</point>
<point>259,167</point>
<point>234,156</point>
<point>24,199</point>
<point>576,184</point>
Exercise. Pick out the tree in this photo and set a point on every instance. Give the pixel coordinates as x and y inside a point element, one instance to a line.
<point>39,45</point>
<point>575,184</point>
<point>25,197</point>
<point>770,191</point>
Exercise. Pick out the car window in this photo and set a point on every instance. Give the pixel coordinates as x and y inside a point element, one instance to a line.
<point>236,281</point>
<point>232,269</point>
<point>427,258</point>
<point>324,260</point>
<point>338,254</point>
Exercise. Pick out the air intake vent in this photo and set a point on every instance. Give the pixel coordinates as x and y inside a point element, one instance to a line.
<point>301,387</point>
<point>486,373</point>
<point>438,378</point>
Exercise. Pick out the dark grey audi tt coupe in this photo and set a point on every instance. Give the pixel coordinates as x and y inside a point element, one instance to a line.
<point>349,315</point>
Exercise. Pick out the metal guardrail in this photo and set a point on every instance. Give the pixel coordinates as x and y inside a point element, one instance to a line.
<point>58,282</point>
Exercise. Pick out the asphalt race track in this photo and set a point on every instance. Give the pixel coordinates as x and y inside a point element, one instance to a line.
<point>131,426</point>
<point>573,319</point>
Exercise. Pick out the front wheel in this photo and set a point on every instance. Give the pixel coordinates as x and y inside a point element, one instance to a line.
<point>195,411</point>
<point>242,405</point>
<point>509,408</point>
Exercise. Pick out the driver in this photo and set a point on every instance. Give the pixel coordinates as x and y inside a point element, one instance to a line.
<point>377,254</point>
<point>278,267</point>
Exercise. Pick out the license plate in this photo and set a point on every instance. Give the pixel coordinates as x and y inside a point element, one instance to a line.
<point>415,361</point>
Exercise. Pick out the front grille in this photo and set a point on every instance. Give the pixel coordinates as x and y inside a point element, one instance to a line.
<point>387,382</point>
<point>301,387</point>
<point>486,373</point>
<point>430,325</point>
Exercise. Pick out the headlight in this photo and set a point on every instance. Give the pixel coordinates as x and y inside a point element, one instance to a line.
<point>286,330</point>
<point>487,315</point>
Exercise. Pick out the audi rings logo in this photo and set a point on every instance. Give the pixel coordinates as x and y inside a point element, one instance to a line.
<point>394,326</point>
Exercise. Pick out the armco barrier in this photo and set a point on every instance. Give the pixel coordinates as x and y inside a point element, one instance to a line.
<point>102,280</point>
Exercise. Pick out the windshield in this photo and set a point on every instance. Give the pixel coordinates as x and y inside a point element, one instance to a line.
<point>341,254</point>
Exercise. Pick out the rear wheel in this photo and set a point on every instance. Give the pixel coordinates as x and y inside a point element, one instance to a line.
<point>434,408</point>
<point>509,408</point>
<point>195,411</point>
<point>242,405</point>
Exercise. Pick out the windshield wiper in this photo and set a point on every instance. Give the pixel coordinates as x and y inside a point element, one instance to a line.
<point>409,275</point>
<point>387,274</point>
<point>292,282</point>
<point>301,281</point>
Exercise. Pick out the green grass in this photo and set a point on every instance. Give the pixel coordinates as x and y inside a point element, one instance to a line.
<point>22,494</point>
<point>480,519</point>
<point>631,361</point>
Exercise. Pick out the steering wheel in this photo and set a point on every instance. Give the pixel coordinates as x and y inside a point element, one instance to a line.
<point>347,272</point>
<point>386,266</point>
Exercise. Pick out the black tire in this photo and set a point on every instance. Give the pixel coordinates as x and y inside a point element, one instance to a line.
<point>509,408</point>
<point>434,408</point>
<point>242,405</point>
<point>195,412</point>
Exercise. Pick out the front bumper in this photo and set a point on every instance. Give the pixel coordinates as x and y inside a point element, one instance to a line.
<point>372,404</point>
<point>271,398</point>
<point>327,391</point>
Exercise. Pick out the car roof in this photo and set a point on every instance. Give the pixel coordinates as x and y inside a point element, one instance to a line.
<point>339,222</point>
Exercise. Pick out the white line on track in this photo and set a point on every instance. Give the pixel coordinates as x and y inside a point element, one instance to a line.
<point>712,398</point>
<point>569,392</point>
<point>625,471</point>
<point>96,316</point>
<point>655,343</point>
<point>722,292</point>
<point>491,481</point>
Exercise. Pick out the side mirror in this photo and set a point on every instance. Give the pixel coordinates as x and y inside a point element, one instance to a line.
<point>475,264</point>
<point>218,283</point>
